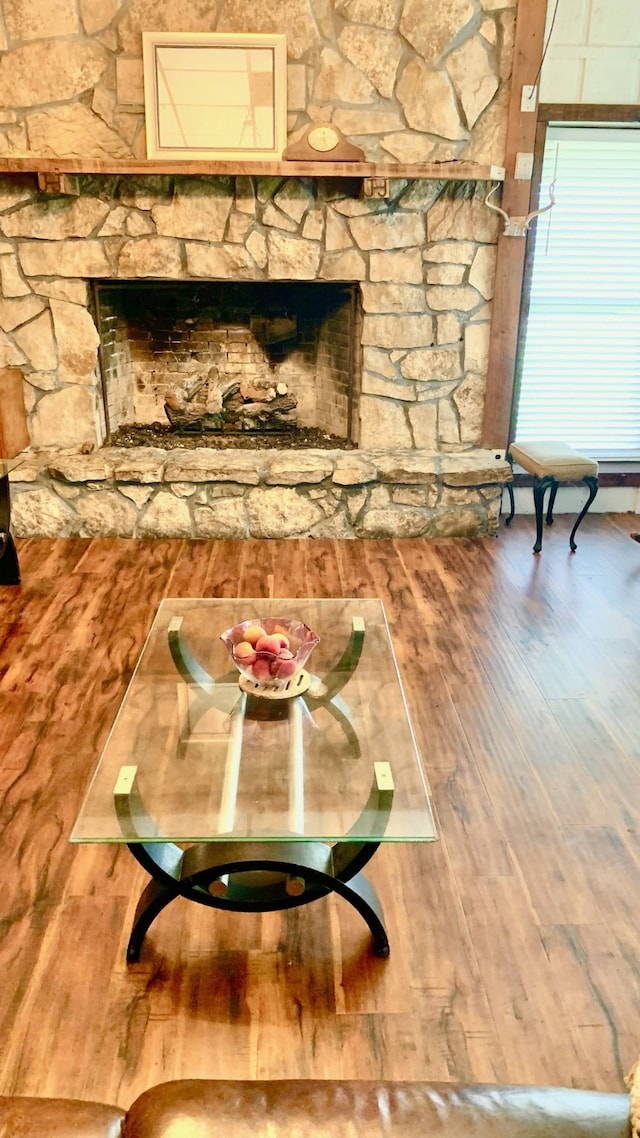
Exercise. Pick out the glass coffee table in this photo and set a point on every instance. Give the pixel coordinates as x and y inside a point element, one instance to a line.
<point>241,802</point>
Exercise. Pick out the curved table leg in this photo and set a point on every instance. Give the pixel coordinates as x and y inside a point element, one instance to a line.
<point>310,864</point>
<point>154,898</point>
<point>343,670</point>
<point>358,892</point>
<point>361,894</point>
<point>250,876</point>
<point>9,568</point>
<point>254,876</point>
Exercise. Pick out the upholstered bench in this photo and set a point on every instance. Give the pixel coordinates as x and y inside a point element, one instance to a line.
<point>551,463</point>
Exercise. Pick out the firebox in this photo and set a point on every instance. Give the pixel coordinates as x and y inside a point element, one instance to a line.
<point>229,358</point>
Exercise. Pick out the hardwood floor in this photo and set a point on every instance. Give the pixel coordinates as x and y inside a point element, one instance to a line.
<point>515,952</point>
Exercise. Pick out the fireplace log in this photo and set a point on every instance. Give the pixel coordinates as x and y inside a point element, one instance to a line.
<point>193,420</point>
<point>218,388</point>
<point>279,404</point>
<point>230,404</point>
<point>270,416</point>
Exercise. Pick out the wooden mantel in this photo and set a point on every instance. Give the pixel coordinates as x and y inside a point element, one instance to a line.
<point>454,170</point>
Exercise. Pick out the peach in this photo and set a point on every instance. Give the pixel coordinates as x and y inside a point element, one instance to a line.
<point>285,654</point>
<point>285,668</point>
<point>253,634</point>
<point>282,637</point>
<point>244,653</point>
<point>268,644</point>
<point>261,670</point>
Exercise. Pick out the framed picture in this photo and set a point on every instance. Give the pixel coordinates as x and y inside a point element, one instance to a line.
<point>210,95</point>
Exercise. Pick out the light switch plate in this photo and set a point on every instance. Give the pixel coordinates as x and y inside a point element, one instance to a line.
<point>524,166</point>
<point>529,98</point>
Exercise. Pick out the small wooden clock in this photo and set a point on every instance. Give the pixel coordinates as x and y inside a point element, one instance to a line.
<point>323,142</point>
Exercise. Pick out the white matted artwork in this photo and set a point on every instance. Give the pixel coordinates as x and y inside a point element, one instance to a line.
<point>215,95</point>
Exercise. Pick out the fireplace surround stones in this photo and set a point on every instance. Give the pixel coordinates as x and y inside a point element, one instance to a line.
<point>423,261</point>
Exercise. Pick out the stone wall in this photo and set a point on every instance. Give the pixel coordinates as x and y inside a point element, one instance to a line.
<point>408,80</point>
<point>424,262</point>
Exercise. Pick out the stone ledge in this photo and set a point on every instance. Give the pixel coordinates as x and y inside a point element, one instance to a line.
<point>279,467</point>
<point>207,493</point>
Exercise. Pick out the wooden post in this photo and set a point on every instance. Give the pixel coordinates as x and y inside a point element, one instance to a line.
<point>14,433</point>
<point>521,131</point>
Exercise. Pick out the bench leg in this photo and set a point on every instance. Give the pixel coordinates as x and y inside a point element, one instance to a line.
<point>592,482</point>
<point>512,504</point>
<point>540,487</point>
<point>552,500</point>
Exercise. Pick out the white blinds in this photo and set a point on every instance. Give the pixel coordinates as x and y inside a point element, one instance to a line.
<point>580,368</point>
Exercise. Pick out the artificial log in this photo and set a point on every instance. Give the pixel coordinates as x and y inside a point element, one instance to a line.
<point>269,415</point>
<point>199,406</point>
<point>216,403</point>
<point>192,421</point>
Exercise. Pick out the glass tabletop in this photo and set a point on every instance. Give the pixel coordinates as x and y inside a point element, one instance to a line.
<point>192,757</point>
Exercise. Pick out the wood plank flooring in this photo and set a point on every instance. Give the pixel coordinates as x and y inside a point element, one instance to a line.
<point>515,952</point>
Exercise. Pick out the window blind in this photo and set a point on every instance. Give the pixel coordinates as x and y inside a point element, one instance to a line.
<point>580,365</point>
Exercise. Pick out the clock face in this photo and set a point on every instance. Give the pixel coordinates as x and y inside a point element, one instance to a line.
<point>323,137</point>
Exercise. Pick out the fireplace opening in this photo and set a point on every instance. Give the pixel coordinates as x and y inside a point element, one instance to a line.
<point>230,363</point>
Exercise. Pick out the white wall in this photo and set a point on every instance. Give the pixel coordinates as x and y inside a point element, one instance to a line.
<point>571,499</point>
<point>594,52</point>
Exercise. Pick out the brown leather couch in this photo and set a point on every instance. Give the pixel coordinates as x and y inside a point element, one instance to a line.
<point>311,1108</point>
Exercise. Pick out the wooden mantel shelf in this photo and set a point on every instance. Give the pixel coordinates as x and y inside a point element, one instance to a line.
<point>460,171</point>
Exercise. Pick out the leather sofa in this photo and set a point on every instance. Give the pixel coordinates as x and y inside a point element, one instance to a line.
<point>313,1108</point>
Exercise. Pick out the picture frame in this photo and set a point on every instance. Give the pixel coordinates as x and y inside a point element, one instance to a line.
<point>215,95</point>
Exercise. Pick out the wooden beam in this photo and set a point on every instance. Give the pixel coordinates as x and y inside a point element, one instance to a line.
<point>455,169</point>
<point>521,129</point>
<point>14,432</point>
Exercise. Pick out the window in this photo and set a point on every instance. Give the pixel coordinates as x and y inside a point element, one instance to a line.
<point>580,361</point>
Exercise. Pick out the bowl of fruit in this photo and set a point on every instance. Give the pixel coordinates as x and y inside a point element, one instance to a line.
<point>270,652</point>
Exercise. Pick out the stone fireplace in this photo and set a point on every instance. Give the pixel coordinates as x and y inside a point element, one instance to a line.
<point>387,298</point>
<point>227,356</point>
<point>406,81</point>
